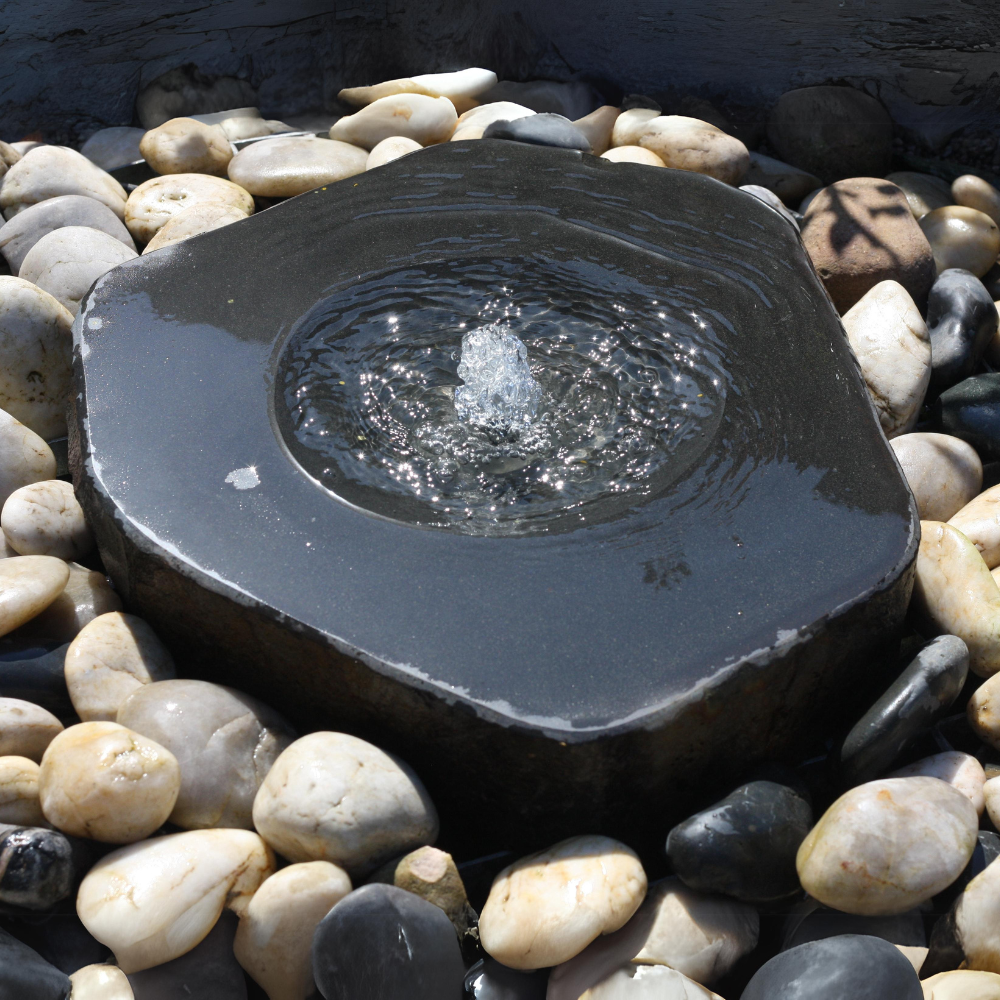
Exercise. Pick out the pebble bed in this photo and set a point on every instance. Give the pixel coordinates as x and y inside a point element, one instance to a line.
<point>165,837</point>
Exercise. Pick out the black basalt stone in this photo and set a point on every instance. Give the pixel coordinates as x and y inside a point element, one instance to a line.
<point>25,975</point>
<point>489,980</point>
<point>745,845</point>
<point>971,411</point>
<point>58,935</point>
<point>563,675</point>
<point>38,867</point>
<point>851,965</point>
<point>541,130</point>
<point>961,319</point>
<point>383,943</point>
<point>914,701</point>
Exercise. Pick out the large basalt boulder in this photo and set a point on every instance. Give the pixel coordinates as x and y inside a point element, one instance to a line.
<point>558,674</point>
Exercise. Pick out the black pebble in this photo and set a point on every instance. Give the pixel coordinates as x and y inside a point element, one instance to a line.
<point>540,130</point>
<point>38,867</point>
<point>383,943</point>
<point>489,980</point>
<point>25,975</point>
<point>821,923</point>
<point>971,411</point>
<point>639,101</point>
<point>59,937</point>
<point>919,696</point>
<point>37,674</point>
<point>961,319</point>
<point>745,845</point>
<point>847,967</point>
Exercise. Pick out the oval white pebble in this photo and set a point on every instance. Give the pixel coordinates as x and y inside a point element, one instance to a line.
<point>25,457</point>
<point>290,165</point>
<point>26,729</point>
<point>19,803</point>
<point>46,519</point>
<point>391,149</point>
<point>425,119</point>
<point>943,472</point>
<point>28,585</point>
<point>184,145</point>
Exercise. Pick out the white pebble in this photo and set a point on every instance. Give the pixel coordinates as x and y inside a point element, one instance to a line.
<point>46,519</point>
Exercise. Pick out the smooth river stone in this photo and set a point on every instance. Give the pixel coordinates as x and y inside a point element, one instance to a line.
<point>26,729</point>
<point>483,116</point>
<point>943,472</point>
<point>973,192</point>
<point>50,171</point>
<point>35,356</point>
<point>66,262</point>
<point>102,781</point>
<point>382,943</point>
<point>461,87</point>
<point>979,521</point>
<point>226,742</point>
<point>789,183</point>
<point>630,124</point>
<point>154,201</point>
<point>960,770</point>
<point>45,519</point>
<point>28,585</point>
<point>924,192</point>
<point>424,119</point>
<point>962,237</point>
<point>287,166</point>
<point>38,867</point>
<point>962,320</point>
<point>699,935</point>
<point>954,592</point>
<point>691,144</point>
<point>648,982</point>
<point>850,965</point>
<point>547,907</point>
<point>274,939</point>
<point>391,149</point>
<point>859,232</point>
<point>100,982</point>
<point>632,154</point>
<point>25,975</point>
<point>991,799</point>
<point>962,984</point>
<point>971,411</point>
<point>114,147</point>
<point>193,221</point>
<point>112,657</point>
<point>334,797</point>
<point>986,851</point>
<point>744,845</point>
<point>887,846</point>
<point>890,340</point>
<point>922,693</point>
<point>489,980</point>
<point>24,456</point>
<point>540,130</point>
<point>19,235</point>
<point>187,146</point>
<point>810,921</point>
<point>154,901</point>
<point>598,126</point>
<point>19,803</point>
<point>984,711</point>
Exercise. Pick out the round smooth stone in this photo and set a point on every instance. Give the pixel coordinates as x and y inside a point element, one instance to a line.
<point>489,980</point>
<point>809,921</point>
<point>225,741</point>
<point>194,221</point>
<point>382,943</point>
<point>789,183</point>
<point>991,798</point>
<point>960,770</point>
<point>38,868</point>
<point>50,171</point>
<point>114,147</point>
<point>100,982</point>
<point>112,657</point>
<point>540,130</point>
<point>25,457</point>
<point>691,144</point>
<point>962,237</point>
<point>480,117</point>
<point>45,519</point>
<point>154,901</point>
<point>103,781</point>
<point>954,592</point>
<point>24,974</point>
<point>923,692</point>
<point>943,472</point>
<point>962,984</point>
<point>8,156</point>
<point>461,87</point>
<point>630,124</point>
<point>154,201</point>
<point>391,149</point>
<point>744,845</point>
<point>979,521</point>
<point>887,846</point>
<point>424,119</point>
<point>971,411</point>
<point>850,965</point>
<point>287,166</point>
<point>66,262</point>
<point>648,982</point>
<point>632,154</point>
<point>19,235</point>
<point>26,729</point>
<point>186,146</point>
<point>924,192</point>
<point>986,851</point>
<point>535,916</point>
<point>28,585</point>
<point>893,347</point>
<point>973,192</point>
<point>19,803</point>
<point>35,356</point>
<point>333,797</point>
<point>984,711</point>
<point>598,126</point>
<point>274,939</point>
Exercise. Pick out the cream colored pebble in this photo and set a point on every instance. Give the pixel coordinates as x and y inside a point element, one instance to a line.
<point>100,982</point>
<point>962,237</point>
<point>962,984</point>
<point>979,521</point>
<point>691,144</point>
<point>26,729</point>
<point>28,585</point>
<point>194,221</point>
<point>598,126</point>
<point>19,803</point>
<point>960,770</point>
<point>25,457</point>
<point>924,192</point>
<point>974,192</point>
<point>943,472</point>
<point>629,126</point>
<point>289,165</point>
<point>428,120</point>
<point>991,797</point>
<point>484,115</point>
<point>46,519</point>
<point>155,201</point>
<point>391,149</point>
<point>461,87</point>
<point>184,145</point>
<point>103,781</point>
<point>632,154</point>
<point>983,711</point>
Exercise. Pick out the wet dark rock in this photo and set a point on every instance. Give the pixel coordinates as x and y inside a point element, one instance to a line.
<point>25,975</point>
<point>814,922</point>
<point>208,972</point>
<point>59,937</point>
<point>631,101</point>
<point>921,694</point>
<point>962,320</point>
<point>37,674</point>
<point>382,943</point>
<point>540,130</point>
<point>832,132</point>
<point>38,867</point>
<point>971,411</point>
<point>745,845</point>
<point>851,965</point>
<point>489,980</point>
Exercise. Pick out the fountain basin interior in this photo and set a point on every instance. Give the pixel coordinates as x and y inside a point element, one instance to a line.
<point>268,445</point>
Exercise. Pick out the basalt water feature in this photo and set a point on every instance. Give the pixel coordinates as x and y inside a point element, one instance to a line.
<point>564,486</point>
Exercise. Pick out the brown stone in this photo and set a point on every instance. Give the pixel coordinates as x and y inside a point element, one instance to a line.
<point>861,231</point>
